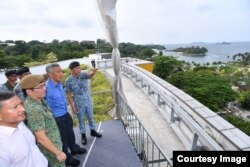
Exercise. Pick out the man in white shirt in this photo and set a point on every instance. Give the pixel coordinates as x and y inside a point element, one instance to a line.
<point>17,143</point>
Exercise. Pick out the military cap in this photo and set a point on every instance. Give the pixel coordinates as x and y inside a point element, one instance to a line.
<point>74,64</point>
<point>10,72</point>
<point>22,70</point>
<point>31,81</point>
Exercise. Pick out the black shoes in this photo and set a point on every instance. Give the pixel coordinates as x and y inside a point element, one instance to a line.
<point>84,139</point>
<point>73,162</point>
<point>92,133</point>
<point>79,151</point>
<point>95,134</point>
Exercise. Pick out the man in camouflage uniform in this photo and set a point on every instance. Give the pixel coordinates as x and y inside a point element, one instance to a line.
<point>21,72</point>
<point>41,121</point>
<point>11,80</point>
<point>78,88</point>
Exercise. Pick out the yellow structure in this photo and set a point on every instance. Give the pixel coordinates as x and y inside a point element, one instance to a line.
<point>147,65</point>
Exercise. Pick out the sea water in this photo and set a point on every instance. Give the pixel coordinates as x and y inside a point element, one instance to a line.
<point>216,51</point>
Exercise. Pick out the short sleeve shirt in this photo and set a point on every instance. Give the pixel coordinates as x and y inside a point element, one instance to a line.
<point>18,148</point>
<point>79,88</point>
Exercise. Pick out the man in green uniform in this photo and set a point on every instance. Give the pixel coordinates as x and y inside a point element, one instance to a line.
<point>41,121</point>
<point>11,80</point>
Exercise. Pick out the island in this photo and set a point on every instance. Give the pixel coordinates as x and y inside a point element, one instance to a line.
<point>193,50</point>
<point>223,43</point>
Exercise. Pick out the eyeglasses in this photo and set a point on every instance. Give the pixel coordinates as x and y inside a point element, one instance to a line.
<point>40,86</point>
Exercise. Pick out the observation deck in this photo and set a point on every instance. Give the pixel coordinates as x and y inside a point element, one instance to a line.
<point>156,119</point>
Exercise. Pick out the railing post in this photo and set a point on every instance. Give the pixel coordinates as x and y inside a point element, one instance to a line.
<point>172,119</point>
<point>142,84</point>
<point>159,102</point>
<point>194,141</point>
<point>149,91</point>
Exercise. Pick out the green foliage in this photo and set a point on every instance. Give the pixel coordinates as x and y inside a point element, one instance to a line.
<point>164,66</point>
<point>146,53</point>
<point>51,57</point>
<point>240,123</point>
<point>192,50</point>
<point>130,49</point>
<point>103,102</point>
<point>84,67</point>
<point>2,54</point>
<point>103,46</point>
<point>20,60</point>
<point>245,100</point>
<point>160,53</point>
<point>212,90</point>
<point>13,61</point>
<point>243,59</point>
<point>35,52</point>
<point>159,47</point>
<point>20,48</point>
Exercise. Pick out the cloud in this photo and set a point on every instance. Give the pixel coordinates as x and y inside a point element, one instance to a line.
<point>139,21</point>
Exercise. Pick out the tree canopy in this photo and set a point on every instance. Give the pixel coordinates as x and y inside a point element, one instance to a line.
<point>21,52</point>
<point>194,50</point>
<point>210,89</point>
<point>243,59</point>
<point>165,65</point>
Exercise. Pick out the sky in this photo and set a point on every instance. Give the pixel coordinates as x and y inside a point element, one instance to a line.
<point>138,21</point>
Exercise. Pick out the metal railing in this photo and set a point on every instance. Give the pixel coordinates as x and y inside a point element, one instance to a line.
<point>149,152</point>
<point>191,134</point>
<point>188,118</point>
<point>107,63</point>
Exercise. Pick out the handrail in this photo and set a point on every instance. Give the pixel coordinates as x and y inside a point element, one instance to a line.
<point>149,151</point>
<point>181,114</point>
<point>225,135</point>
<point>167,97</point>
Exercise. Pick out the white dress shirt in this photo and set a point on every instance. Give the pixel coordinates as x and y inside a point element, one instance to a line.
<point>18,148</point>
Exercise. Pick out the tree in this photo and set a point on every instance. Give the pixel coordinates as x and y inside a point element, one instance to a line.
<point>164,66</point>
<point>146,53</point>
<point>103,46</point>
<point>243,59</point>
<point>192,50</point>
<point>160,53</point>
<point>34,53</point>
<point>245,100</point>
<point>212,90</point>
<point>1,54</point>
<point>51,57</point>
<point>55,42</point>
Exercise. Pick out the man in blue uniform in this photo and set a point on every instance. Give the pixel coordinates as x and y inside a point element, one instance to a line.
<point>78,93</point>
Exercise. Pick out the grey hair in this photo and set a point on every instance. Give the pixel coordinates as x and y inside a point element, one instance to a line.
<point>5,96</point>
<point>50,67</point>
